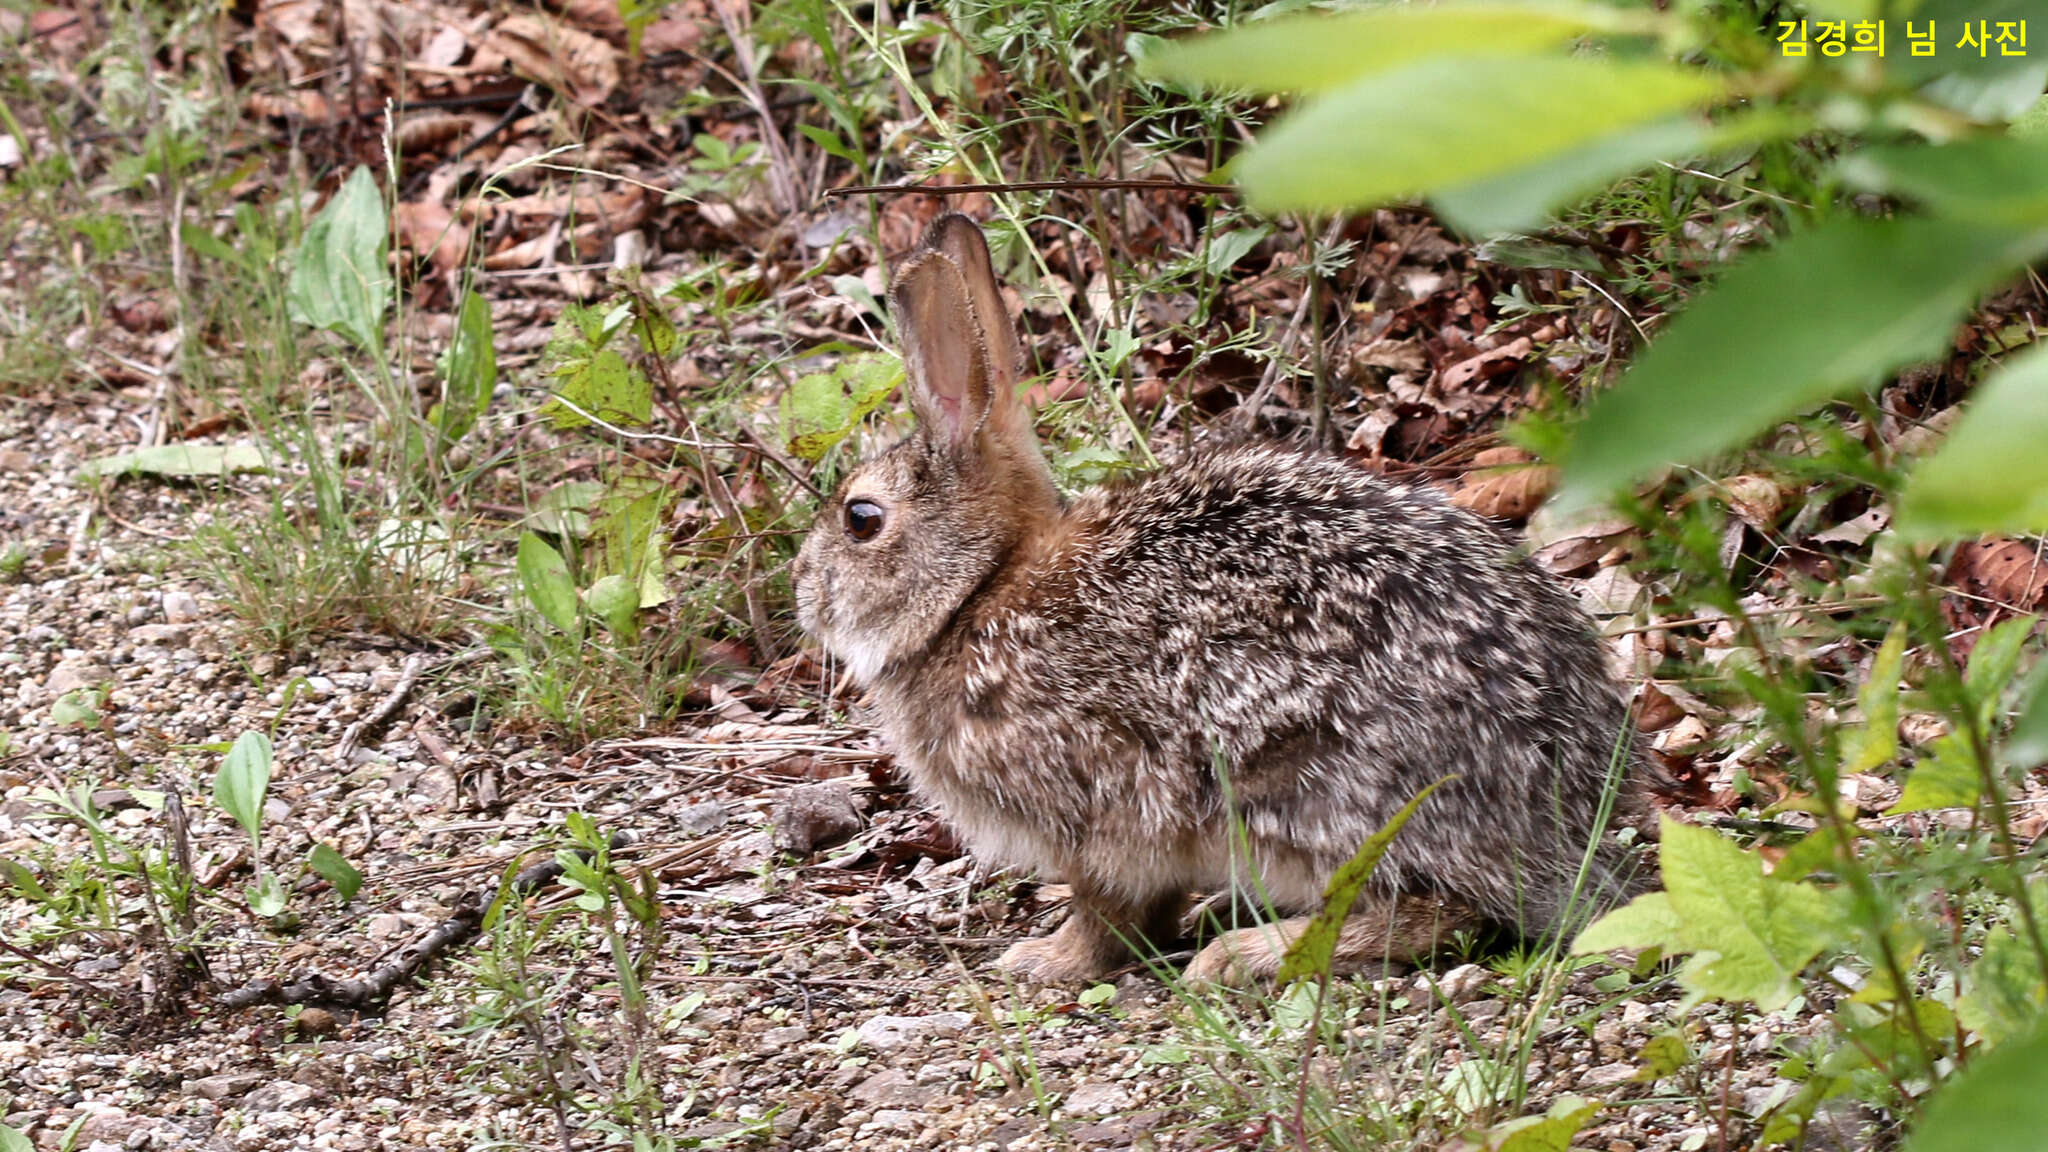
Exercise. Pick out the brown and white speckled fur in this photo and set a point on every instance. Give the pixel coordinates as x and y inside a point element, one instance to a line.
<point>1066,679</point>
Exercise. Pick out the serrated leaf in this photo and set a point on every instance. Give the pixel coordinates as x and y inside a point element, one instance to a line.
<point>1877,741</point>
<point>1990,474</point>
<point>604,386</point>
<point>244,780</point>
<point>1382,139</point>
<point>1946,779</point>
<point>822,408</point>
<point>1312,952</point>
<point>179,460</point>
<point>330,866</point>
<point>544,578</point>
<point>1648,921</point>
<point>1815,316</point>
<point>339,280</point>
<point>2004,994</point>
<point>1319,52</point>
<point>1994,1104</point>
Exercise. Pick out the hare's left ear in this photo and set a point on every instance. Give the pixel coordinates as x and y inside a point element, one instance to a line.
<point>959,348</point>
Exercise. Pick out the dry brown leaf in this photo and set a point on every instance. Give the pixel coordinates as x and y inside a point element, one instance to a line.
<point>1506,484</point>
<point>429,227</point>
<point>279,105</point>
<point>417,134</point>
<point>561,57</point>
<point>1488,363</point>
<point>1757,500</point>
<point>2012,573</point>
<point>1655,709</point>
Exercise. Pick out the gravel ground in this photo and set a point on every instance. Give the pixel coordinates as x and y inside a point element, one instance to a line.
<point>843,1003</point>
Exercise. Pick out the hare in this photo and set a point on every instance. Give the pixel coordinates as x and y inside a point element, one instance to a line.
<point>1228,672</point>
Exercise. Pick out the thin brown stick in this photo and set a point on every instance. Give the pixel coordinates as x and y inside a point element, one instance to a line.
<point>1156,184</point>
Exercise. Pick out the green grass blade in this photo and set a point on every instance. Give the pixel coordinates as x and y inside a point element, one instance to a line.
<point>1312,953</point>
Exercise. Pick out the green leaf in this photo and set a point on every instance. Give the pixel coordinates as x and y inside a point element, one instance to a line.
<point>1946,779</point>
<point>1750,934</point>
<point>178,460</point>
<point>13,1141</point>
<point>1991,474</point>
<point>1648,921</point>
<point>1383,138</point>
<point>1551,1132</point>
<point>1318,52</point>
<point>339,281</point>
<point>266,896</point>
<point>243,780</point>
<point>330,866</point>
<point>614,600</point>
<point>1878,740</point>
<point>605,386</point>
<point>1228,248</point>
<point>1994,1104</point>
<point>544,577</point>
<point>1822,313</point>
<point>470,369</point>
<point>2027,747</point>
<point>2004,995</point>
<point>1312,952</point>
<point>78,708</point>
<point>822,408</point>
<point>1990,179</point>
<point>1992,662</point>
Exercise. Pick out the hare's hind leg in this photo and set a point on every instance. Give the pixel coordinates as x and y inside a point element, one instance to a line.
<point>1381,930</point>
<point>1099,934</point>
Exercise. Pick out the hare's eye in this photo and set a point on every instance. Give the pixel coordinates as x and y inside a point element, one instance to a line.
<point>863,519</point>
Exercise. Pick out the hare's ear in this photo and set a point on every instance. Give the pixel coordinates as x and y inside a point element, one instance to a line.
<point>961,239</point>
<point>945,357</point>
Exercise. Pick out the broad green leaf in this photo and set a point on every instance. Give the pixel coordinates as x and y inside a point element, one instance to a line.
<point>266,896</point>
<point>614,600</point>
<point>1993,1104</point>
<point>2004,995</point>
<point>1991,179</point>
<point>1946,779</point>
<point>1228,248</point>
<point>604,386</point>
<point>1312,952</point>
<point>1750,934</point>
<point>2027,747</point>
<point>330,866</point>
<point>470,368</point>
<point>1993,660</point>
<point>244,779</point>
<point>1551,1132</point>
<point>1877,741</point>
<point>544,577</point>
<point>339,280</point>
<point>1317,52</point>
<point>13,1141</point>
<point>1521,199</point>
<point>1648,921</point>
<point>1815,316</point>
<point>178,460</point>
<point>79,708</point>
<point>821,408</point>
<point>565,509</point>
<point>1991,474</point>
<point>1385,138</point>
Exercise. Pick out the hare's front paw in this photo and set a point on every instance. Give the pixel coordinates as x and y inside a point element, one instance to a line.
<point>1052,960</point>
<point>1241,957</point>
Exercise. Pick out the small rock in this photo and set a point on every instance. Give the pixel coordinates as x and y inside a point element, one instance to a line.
<point>181,607</point>
<point>312,1022</point>
<point>1462,983</point>
<point>72,675</point>
<point>889,1033</point>
<point>894,1120</point>
<point>701,819</point>
<point>279,1096</point>
<point>776,1039</point>
<point>1097,1098</point>
<point>814,816</point>
<point>1607,1075</point>
<point>224,1085</point>
<point>894,1088</point>
<point>162,635</point>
